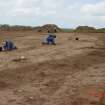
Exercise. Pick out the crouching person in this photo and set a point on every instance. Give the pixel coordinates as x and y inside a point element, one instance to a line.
<point>8,46</point>
<point>49,40</point>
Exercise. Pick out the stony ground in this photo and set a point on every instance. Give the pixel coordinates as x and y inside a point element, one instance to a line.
<point>69,73</point>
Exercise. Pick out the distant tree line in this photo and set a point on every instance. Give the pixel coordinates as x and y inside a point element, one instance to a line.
<point>85,29</point>
<point>44,28</point>
<point>89,29</point>
<point>7,27</point>
<point>51,28</point>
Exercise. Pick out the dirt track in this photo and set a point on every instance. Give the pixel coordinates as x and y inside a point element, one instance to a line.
<point>70,73</point>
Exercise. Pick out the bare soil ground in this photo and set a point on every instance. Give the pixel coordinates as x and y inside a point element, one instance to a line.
<point>69,73</point>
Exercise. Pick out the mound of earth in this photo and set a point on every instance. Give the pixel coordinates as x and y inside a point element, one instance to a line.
<point>48,28</point>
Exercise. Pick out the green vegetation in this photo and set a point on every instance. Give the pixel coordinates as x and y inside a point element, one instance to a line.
<point>7,27</point>
<point>67,30</point>
<point>85,29</point>
<point>79,29</point>
<point>101,30</point>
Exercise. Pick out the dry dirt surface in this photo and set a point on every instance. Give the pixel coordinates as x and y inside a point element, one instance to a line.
<point>69,73</point>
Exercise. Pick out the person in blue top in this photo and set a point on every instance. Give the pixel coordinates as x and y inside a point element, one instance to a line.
<point>8,45</point>
<point>50,39</point>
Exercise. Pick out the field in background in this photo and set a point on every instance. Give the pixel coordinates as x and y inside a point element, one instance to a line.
<point>70,73</point>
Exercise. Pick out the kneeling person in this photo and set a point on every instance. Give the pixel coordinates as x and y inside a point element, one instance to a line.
<point>8,45</point>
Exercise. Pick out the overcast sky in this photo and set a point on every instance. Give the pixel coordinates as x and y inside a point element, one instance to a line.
<point>65,13</point>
